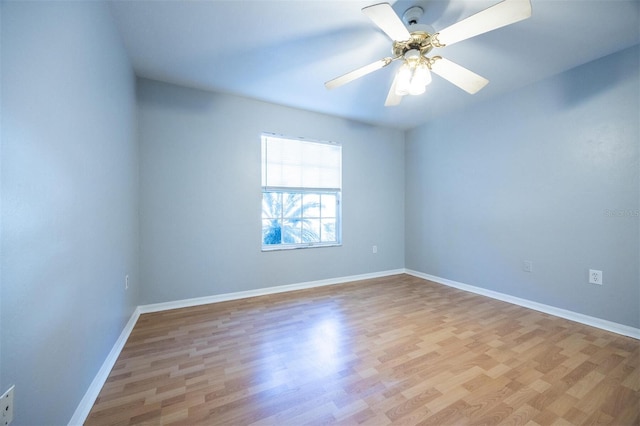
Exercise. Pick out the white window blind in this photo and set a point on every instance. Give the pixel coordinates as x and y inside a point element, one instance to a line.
<point>288,163</point>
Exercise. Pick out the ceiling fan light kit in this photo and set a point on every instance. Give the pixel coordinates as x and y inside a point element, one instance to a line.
<point>411,45</point>
<point>413,75</point>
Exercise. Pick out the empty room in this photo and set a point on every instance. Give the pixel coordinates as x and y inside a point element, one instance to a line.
<point>301,212</point>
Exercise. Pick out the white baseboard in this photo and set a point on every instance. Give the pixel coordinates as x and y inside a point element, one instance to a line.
<point>83,409</point>
<point>185,303</point>
<point>613,327</point>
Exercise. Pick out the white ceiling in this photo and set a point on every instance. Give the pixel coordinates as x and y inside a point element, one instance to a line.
<point>282,51</point>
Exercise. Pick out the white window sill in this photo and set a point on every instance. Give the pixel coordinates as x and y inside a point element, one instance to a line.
<point>280,247</point>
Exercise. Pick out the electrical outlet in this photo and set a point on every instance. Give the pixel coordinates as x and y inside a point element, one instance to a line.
<point>375,249</point>
<point>126,282</point>
<point>595,276</point>
<point>6,406</point>
<point>527,266</point>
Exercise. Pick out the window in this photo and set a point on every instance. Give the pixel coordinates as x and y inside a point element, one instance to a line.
<point>301,189</point>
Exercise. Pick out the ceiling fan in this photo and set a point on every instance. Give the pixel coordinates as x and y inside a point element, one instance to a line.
<point>412,44</point>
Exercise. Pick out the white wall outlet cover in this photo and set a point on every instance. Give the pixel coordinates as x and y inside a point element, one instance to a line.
<point>595,276</point>
<point>6,405</point>
<point>527,266</point>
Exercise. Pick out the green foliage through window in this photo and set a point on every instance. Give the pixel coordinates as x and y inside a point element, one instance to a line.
<point>299,217</point>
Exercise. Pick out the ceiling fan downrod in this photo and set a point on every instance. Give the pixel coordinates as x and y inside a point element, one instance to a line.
<point>412,15</point>
<point>422,37</point>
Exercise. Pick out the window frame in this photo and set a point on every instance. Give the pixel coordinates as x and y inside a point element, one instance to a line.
<point>302,191</point>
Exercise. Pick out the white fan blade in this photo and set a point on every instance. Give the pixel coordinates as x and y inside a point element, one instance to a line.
<point>497,16</point>
<point>467,80</point>
<point>384,17</point>
<point>355,74</point>
<point>392,98</point>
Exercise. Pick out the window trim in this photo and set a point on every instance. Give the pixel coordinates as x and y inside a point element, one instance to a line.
<point>302,190</point>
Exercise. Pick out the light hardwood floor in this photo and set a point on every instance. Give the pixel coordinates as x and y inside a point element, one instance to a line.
<point>394,350</point>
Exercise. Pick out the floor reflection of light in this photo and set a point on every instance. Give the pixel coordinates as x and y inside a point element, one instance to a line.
<point>311,352</point>
<point>325,338</point>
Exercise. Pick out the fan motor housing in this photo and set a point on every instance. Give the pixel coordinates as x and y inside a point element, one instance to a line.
<point>420,40</point>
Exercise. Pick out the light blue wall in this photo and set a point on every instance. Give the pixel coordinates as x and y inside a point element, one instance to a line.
<point>535,175</point>
<point>69,202</point>
<point>201,197</point>
<point>3,386</point>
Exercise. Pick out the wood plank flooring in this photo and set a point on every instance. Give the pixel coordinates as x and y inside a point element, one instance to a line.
<point>394,350</point>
